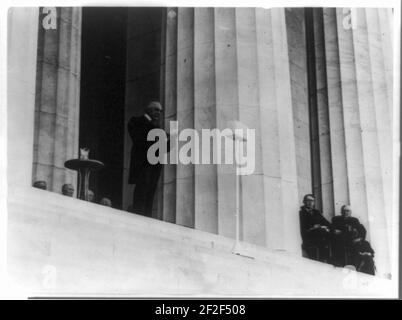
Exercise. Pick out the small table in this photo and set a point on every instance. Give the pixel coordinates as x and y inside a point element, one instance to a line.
<point>84,168</point>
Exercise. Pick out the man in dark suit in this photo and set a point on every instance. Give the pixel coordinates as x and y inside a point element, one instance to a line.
<point>349,241</point>
<point>347,227</point>
<point>315,230</point>
<point>143,174</point>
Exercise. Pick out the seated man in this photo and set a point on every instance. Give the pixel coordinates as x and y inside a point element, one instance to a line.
<point>350,245</point>
<point>315,230</point>
<point>40,184</point>
<point>91,196</point>
<point>348,230</point>
<point>67,190</point>
<point>105,202</point>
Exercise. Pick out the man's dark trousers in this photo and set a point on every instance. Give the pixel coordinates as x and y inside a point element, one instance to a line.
<point>143,174</point>
<point>145,188</point>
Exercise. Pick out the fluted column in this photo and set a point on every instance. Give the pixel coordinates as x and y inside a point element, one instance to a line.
<point>351,119</point>
<point>232,64</point>
<point>382,94</point>
<point>306,159</point>
<point>324,137</point>
<point>21,76</point>
<point>360,87</point>
<point>226,110</point>
<point>386,24</point>
<point>335,111</point>
<point>185,113</point>
<point>206,183</point>
<point>269,131</point>
<point>369,96</point>
<point>278,135</point>
<point>170,97</point>
<point>57,99</point>
<point>287,148</point>
<point>252,186</point>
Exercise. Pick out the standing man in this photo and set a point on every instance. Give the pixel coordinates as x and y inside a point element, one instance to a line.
<point>143,174</point>
<point>315,230</point>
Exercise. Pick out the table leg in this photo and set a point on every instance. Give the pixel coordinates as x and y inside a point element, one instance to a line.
<point>86,183</point>
<point>79,184</point>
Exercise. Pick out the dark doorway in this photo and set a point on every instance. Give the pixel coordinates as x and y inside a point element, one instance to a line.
<point>102,97</point>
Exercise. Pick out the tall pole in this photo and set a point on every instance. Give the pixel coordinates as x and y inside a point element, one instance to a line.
<point>239,139</point>
<point>237,214</point>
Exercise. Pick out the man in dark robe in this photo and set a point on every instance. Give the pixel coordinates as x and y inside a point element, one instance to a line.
<point>142,173</point>
<point>346,230</point>
<point>349,244</point>
<point>350,227</point>
<point>315,230</point>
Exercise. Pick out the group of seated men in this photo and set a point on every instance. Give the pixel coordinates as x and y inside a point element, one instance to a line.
<point>68,190</point>
<point>342,242</point>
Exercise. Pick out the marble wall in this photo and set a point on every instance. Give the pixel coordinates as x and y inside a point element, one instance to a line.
<point>57,99</point>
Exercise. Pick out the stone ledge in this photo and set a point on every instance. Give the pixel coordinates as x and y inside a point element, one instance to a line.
<point>99,250</point>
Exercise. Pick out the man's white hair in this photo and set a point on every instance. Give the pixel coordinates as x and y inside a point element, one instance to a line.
<point>153,104</point>
<point>346,206</point>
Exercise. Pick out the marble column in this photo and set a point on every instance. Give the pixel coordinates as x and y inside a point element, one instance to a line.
<point>227,102</point>
<point>206,182</point>
<point>269,130</point>
<point>351,120</point>
<point>279,90</point>
<point>287,145</point>
<point>252,186</point>
<point>360,121</point>
<point>185,113</point>
<point>170,98</point>
<point>21,79</point>
<point>373,119</point>
<point>57,99</point>
<point>380,61</point>
<point>385,25</point>
<point>314,121</point>
<point>335,111</point>
<point>310,106</point>
<point>296,36</point>
<point>322,115</point>
<point>228,64</point>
